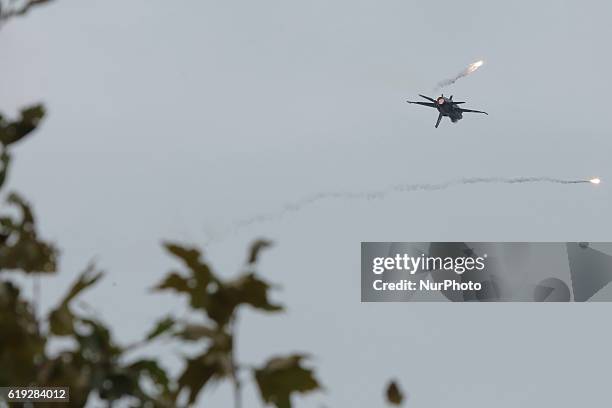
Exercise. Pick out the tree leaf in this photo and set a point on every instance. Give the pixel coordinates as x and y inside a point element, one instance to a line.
<point>194,332</point>
<point>281,377</point>
<point>61,319</point>
<point>161,327</point>
<point>152,369</point>
<point>5,160</point>
<point>197,284</point>
<point>256,247</point>
<point>247,289</point>
<point>254,291</point>
<point>21,341</point>
<point>12,132</point>
<point>87,278</point>
<point>214,364</point>
<point>25,251</point>
<point>394,394</point>
<point>192,259</point>
<point>174,281</point>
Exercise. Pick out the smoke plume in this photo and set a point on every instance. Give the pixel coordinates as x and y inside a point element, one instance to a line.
<point>299,205</point>
<point>470,69</point>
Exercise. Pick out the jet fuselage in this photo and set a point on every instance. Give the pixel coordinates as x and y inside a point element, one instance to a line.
<point>446,107</point>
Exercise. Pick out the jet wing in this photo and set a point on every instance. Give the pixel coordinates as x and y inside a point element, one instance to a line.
<point>427,97</point>
<point>475,111</point>
<point>430,104</point>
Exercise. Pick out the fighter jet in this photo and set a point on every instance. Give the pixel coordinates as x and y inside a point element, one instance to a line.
<point>446,107</point>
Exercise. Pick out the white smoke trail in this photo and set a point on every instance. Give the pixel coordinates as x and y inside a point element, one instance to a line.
<point>470,68</point>
<point>379,194</point>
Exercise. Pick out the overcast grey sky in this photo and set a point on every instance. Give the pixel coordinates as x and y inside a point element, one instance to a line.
<point>172,120</point>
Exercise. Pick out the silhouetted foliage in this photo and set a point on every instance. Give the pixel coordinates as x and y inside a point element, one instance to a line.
<point>94,363</point>
<point>15,130</point>
<point>219,302</point>
<point>21,249</point>
<point>22,346</point>
<point>394,395</point>
<point>282,376</point>
<point>97,364</point>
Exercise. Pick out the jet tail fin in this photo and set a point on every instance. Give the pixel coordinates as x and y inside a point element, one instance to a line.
<point>438,121</point>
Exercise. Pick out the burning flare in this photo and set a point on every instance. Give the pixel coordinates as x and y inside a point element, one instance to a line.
<point>470,68</point>
<point>473,67</point>
<point>595,180</point>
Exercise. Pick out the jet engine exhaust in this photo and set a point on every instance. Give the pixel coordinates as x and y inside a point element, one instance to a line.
<point>400,188</point>
<point>470,69</point>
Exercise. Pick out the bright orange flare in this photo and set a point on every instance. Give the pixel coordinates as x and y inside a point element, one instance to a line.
<point>474,66</point>
<point>595,180</point>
